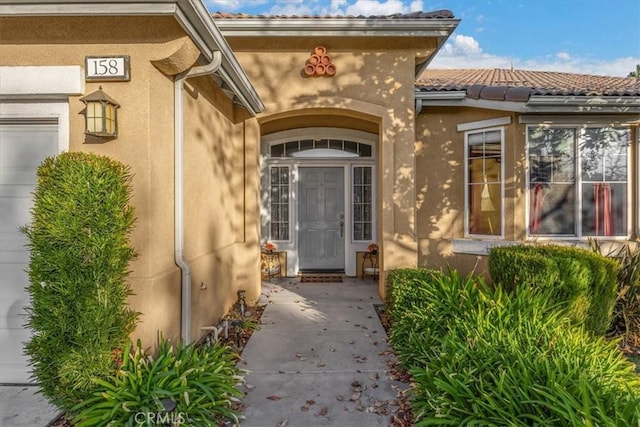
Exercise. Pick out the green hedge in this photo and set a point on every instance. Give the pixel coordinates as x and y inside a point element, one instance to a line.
<point>406,289</point>
<point>490,357</point>
<point>583,282</point>
<point>80,252</point>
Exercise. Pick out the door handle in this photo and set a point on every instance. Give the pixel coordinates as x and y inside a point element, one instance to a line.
<point>341,228</point>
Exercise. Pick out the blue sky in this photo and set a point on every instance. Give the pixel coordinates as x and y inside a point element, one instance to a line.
<point>578,36</point>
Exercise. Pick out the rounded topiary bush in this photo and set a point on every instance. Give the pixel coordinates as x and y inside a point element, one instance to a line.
<point>582,282</point>
<point>80,246</point>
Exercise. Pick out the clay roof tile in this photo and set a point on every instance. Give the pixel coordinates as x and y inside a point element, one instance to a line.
<point>521,84</point>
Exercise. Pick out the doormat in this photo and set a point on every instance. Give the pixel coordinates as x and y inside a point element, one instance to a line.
<point>320,278</point>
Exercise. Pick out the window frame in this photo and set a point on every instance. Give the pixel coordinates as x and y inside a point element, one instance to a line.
<point>373,204</point>
<point>270,202</point>
<point>467,213</point>
<point>578,183</point>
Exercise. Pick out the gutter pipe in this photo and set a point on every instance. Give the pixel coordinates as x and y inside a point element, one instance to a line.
<point>181,262</point>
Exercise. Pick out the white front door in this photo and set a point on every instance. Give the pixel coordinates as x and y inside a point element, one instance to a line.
<point>321,218</point>
<point>23,146</point>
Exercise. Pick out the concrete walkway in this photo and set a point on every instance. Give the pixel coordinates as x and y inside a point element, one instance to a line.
<point>22,406</point>
<point>319,358</point>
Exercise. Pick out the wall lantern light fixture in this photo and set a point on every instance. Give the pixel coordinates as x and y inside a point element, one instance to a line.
<point>101,115</point>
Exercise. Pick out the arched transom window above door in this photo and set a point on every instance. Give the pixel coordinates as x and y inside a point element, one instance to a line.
<point>319,143</point>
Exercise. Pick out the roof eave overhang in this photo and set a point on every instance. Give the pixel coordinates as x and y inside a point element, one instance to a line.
<point>336,27</point>
<point>190,14</point>
<point>535,104</point>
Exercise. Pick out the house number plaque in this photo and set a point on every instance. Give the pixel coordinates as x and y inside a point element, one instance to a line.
<point>107,68</point>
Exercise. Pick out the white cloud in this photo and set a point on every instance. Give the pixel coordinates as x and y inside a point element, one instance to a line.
<point>292,8</point>
<point>462,51</point>
<point>416,6</point>
<point>230,5</point>
<point>375,7</point>
<point>462,45</point>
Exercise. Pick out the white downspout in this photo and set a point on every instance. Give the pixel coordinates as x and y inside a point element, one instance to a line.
<point>180,260</point>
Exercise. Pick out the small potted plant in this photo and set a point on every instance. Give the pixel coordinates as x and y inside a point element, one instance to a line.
<point>372,249</point>
<point>269,247</point>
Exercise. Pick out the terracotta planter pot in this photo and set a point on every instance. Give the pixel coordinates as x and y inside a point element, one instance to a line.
<point>330,70</point>
<point>325,60</point>
<point>320,69</point>
<point>309,70</point>
<point>315,59</point>
<point>320,50</point>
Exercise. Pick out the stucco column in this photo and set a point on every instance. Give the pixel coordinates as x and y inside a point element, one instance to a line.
<point>396,193</point>
<point>249,246</point>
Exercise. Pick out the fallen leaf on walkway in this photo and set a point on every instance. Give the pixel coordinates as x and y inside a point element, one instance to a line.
<point>307,405</point>
<point>284,423</point>
<point>323,411</point>
<point>274,397</point>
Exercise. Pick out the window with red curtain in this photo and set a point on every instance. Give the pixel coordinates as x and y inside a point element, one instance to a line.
<point>578,181</point>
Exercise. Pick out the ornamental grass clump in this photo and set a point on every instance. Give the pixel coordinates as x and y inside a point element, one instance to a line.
<point>483,356</point>
<point>511,361</point>
<point>182,385</point>
<point>435,303</point>
<point>80,246</point>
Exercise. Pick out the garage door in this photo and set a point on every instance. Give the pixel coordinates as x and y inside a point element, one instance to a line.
<point>23,146</point>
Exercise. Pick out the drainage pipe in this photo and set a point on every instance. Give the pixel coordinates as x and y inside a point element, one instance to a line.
<point>185,267</point>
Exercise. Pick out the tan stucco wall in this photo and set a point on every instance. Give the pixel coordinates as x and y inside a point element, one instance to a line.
<point>222,221</point>
<point>440,185</point>
<point>221,231</point>
<point>372,89</point>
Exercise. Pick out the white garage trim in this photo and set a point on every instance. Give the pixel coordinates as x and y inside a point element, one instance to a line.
<point>24,112</point>
<point>45,82</point>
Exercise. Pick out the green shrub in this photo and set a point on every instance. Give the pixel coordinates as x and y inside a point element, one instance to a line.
<point>443,301</point>
<point>511,358</point>
<point>407,287</point>
<point>185,385</point>
<point>516,266</point>
<point>582,282</point>
<point>80,252</point>
<point>626,312</point>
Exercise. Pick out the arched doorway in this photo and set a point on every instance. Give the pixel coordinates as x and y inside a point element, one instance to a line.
<point>318,196</point>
